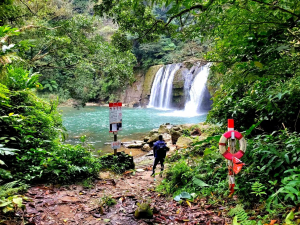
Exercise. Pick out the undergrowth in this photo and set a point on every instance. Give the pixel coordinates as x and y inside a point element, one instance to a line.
<point>270,180</point>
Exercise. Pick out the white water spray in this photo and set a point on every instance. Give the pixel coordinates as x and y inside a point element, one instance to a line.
<point>197,91</point>
<point>161,91</point>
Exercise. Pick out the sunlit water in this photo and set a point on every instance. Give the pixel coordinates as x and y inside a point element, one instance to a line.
<point>94,123</point>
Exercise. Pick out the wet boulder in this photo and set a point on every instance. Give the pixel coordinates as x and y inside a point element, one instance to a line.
<point>183,142</point>
<point>154,131</point>
<point>163,129</point>
<point>153,139</point>
<point>174,135</point>
<point>146,148</point>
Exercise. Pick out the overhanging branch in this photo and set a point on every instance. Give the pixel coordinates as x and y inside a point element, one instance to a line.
<point>277,7</point>
<point>201,7</point>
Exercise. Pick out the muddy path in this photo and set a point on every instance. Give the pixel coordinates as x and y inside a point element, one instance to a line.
<point>75,204</point>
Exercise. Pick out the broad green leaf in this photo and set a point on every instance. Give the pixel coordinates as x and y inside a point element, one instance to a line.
<point>18,201</point>
<point>258,64</point>
<point>289,218</point>
<point>199,182</point>
<point>5,204</point>
<point>234,221</point>
<point>185,195</point>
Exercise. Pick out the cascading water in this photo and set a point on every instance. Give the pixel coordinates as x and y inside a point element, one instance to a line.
<point>197,91</point>
<point>161,91</point>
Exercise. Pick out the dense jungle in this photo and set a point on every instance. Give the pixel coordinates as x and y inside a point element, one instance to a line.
<point>182,69</point>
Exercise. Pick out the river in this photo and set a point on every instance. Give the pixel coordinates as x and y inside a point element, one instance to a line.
<point>93,122</point>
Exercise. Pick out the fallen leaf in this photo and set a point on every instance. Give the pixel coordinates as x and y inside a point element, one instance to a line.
<point>272,222</point>
<point>189,204</point>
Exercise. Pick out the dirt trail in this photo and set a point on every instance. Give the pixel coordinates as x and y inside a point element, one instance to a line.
<point>75,204</point>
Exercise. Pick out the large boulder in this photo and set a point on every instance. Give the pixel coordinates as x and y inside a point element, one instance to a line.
<point>154,131</point>
<point>166,137</point>
<point>153,139</point>
<point>183,142</point>
<point>146,148</point>
<point>163,129</point>
<point>135,144</point>
<point>146,139</point>
<point>174,135</point>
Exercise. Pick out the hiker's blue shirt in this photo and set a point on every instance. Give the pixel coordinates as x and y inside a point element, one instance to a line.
<point>159,149</point>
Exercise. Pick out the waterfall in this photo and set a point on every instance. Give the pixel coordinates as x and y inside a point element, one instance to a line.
<point>161,91</point>
<point>195,90</point>
<point>198,91</point>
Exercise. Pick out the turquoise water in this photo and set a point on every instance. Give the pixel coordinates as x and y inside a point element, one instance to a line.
<point>93,122</point>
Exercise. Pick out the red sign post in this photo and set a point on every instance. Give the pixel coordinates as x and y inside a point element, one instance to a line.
<point>115,122</point>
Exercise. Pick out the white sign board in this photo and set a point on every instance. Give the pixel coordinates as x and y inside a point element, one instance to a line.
<point>115,117</point>
<point>116,145</point>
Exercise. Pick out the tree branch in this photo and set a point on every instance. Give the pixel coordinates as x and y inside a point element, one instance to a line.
<point>201,7</point>
<point>26,28</point>
<point>151,28</point>
<point>28,7</point>
<point>277,7</point>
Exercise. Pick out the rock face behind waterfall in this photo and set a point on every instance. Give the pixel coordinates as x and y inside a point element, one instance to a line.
<point>178,95</point>
<point>138,93</point>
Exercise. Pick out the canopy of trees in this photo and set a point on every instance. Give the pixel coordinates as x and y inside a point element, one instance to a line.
<point>67,45</point>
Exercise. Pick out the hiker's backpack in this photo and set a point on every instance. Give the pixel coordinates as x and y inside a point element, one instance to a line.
<point>161,149</point>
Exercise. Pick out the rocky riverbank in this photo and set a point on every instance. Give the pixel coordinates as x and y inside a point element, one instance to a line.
<point>176,136</point>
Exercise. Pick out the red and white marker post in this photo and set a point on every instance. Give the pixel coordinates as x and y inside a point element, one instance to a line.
<point>234,164</point>
<point>115,123</point>
<point>231,149</point>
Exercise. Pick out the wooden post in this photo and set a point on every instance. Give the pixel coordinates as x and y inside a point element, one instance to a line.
<point>115,139</point>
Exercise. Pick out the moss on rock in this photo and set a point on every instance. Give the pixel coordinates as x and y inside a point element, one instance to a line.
<point>149,78</point>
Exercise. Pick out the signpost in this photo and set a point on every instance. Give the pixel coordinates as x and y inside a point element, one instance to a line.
<point>115,123</point>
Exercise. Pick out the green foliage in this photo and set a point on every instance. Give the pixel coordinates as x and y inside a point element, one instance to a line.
<point>10,200</point>
<point>270,174</point>
<point>51,85</point>
<point>33,126</point>
<point>117,163</point>
<point>186,133</point>
<point>19,79</point>
<point>271,100</point>
<point>240,214</point>
<point>61,164</point>
<point>258,189</point>
<point>121,42</point>
<point>107,200</point>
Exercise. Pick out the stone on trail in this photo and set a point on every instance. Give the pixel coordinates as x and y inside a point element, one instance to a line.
<point>140,170</point>
<point>143,211</point>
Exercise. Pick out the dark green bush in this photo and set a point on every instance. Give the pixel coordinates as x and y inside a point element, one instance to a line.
<point>273,101</point>
<point>34,127</point>
<point>118,163</point>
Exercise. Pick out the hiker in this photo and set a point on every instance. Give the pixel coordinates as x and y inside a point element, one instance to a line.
<point>160,150</point>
